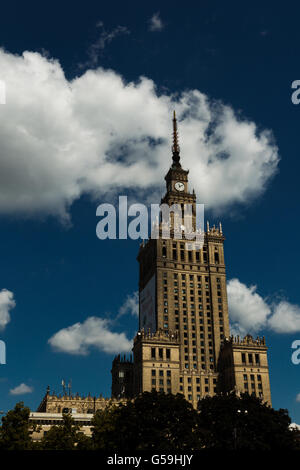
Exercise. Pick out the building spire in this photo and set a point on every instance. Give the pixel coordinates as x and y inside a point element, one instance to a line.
<point>175,146</point>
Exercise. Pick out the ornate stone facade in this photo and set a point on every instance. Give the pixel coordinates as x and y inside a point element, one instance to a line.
<point>184,344</point>
<point>74,404</point>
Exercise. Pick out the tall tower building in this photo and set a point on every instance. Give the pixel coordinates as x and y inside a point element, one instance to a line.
<point>183,344</point>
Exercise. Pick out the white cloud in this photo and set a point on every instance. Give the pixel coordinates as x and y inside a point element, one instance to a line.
<point>298,398</point>
<point>155,22</point>
<point>21,389</point>
<point>285,318</point>
<point>92,333</point>
<point>97,134</point>
<point>250,313</point>
<point>105,38</point>
<point>131,305</point>
<point>7,302</point>
<point>294,426</point>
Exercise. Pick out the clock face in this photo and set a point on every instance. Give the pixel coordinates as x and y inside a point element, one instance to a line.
<point>179,186</point>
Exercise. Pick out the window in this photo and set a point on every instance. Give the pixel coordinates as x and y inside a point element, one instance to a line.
<point>161,373</point>
<point>153,381</point>
<point>153,355</point>
<point>153,372</point>
<point>121,374</point>
<point>160,353</point>
<point>257,361</point>
<point>244,358</point>
<point>168,353</point>
<point>250,358</point>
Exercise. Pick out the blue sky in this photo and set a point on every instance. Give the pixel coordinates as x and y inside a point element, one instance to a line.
<point>80,127</point>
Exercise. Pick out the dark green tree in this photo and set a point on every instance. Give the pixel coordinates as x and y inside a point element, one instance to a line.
<point>232,422</point>
<point>64,436</point>
<point>153,421</point>
<point>106,435</point>
<point>15,432</point>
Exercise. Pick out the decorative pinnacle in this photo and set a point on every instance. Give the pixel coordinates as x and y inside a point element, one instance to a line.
<point>175,146</point>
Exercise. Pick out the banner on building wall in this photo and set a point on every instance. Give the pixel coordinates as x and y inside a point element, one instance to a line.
<point>147,306</point>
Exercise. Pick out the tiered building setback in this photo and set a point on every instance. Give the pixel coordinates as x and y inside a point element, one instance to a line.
<point>183,344</point>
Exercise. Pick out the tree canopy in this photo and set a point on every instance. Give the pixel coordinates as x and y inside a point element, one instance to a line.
<point>64,436</point>
<point>15,432</point>
<point>161,423</point>
<point>153,421</point>
<point>245,422</point>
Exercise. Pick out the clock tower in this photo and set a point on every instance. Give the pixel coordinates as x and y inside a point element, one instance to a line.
<point>183,344</point>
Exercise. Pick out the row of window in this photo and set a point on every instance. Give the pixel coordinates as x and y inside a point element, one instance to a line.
<point>252,386</point>
<point>201,366</point>
<point>161,353</point>
<point>53,422</point>
<point>161,389</point>
<point>250,358</point>
<point>160,373</point>
<point>197,380</point>
<point>191,256</point>
<point>191,277</point>
<point>252,377</point>
<point>161,382</point>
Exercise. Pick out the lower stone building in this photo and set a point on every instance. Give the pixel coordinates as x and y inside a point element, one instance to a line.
<point>45,420</point>
<point>82,409</point>
<point>244,367</point>
<point>183,342</point>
